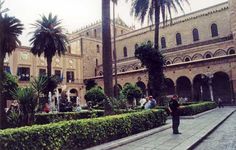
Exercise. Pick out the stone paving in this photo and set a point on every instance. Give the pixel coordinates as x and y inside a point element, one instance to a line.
<point>192,130</point>
<point>223,138</point>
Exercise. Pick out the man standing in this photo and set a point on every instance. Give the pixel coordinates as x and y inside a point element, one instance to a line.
<point>174,110</point>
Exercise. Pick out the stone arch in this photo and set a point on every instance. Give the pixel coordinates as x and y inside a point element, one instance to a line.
<point>119,88</point>
<point>169,86</point>
<point>142,86</point>
<point>127,83</point>
<point>177,60</point>
<point>222,87</point>
<point>187,59</point>
<point>100,73</point>
<point>197,56</point>
<point>208,55</point>
<point>183,87</point>
<point>201,88</point>
<point>168,62</point>
<point>220,52</point>
<point>73,93</point>
<point>231,51</point>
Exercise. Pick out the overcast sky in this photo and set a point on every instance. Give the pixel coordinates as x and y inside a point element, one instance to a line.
<point>77,13</point>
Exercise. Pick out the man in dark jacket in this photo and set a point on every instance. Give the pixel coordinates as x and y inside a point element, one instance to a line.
<point>174,110</point>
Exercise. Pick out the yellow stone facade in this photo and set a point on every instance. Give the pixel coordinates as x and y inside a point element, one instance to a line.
<point>210,58</point>
<point>193,68</point>
<point>70,62</point>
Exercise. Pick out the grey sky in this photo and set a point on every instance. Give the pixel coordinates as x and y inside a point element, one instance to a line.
<point>77,13</point>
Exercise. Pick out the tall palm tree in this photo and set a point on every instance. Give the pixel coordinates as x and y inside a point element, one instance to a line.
<point>154,9</point>
<point>10,29</point>
<point>107,52</point>
<point>48,39</point>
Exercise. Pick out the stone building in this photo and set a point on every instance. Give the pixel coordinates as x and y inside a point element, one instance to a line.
<point>199,49</point>
<point>23,64</point>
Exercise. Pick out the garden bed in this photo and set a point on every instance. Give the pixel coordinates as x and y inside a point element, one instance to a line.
<point>80,134</point>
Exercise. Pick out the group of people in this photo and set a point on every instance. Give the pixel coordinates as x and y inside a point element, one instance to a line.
<point>148,102</point>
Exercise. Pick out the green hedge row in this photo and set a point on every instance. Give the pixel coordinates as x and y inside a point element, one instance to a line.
<point>63,116</point>
<point>80,134</point>
<point>194,109</point>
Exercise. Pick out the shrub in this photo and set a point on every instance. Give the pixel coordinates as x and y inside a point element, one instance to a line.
<point>63,116</point>
<point>95,96</point>
<point>131,92</point>
<point>80,134</point>
<point>194,109</point>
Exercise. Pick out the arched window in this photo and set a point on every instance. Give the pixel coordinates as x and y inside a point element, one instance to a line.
<point>195,35</point>
<point>87,33</point>
<point>125,52</point>
<point>232,51</point>
<point>136,46</point>
<point>214,30</point>
<point>149,42</point>
<point>98,49</point>
<point>208,56</point>
<point>186,59</point>
<point>96,62</point>
<point>178,39</point>
<point>163,42</point>
<point>95,33</point>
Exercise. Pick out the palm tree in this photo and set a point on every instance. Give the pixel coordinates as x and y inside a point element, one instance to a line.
<point>10,29</point>
<point>107,52</point>
<point>48,39</point>
<point>153,9</point>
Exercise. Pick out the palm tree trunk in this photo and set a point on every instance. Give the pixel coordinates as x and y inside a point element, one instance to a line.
<point>157,22</point>
<point>107,52</point>
<point>49,66</point>
<point>3,118</point>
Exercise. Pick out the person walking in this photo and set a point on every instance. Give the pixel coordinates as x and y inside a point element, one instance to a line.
<point>174,110</point>
<point>220,103</point>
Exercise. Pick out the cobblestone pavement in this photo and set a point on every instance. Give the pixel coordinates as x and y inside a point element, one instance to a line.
<point>192,130</point>
<point>223,138</point>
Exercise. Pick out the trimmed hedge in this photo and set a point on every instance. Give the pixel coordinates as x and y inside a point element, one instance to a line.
<point>63,116</point>
<point>80,134</point>
<point>191,109</point>
<point>194,109</point>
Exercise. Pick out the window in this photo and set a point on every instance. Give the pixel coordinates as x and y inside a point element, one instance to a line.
<point>121,31</point>
<point>125,52</point>
<point>163,42</point>
<point>7,69</point>
<point>195,35</point>
<point>23,73</point>
<point>208,55</point>
<point>58,74</point>
<point>70,76</point>
<point>178,39</point>
<point>87,33</point>
<point>69,49</point>
<point>187,59</point>
<point>42,72</point>
<point>214,30</point>
<point>95,33</point>
<point>96,62</point>
<point>136,46</point>
<point>231,52</point>
<point>98,49</point>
